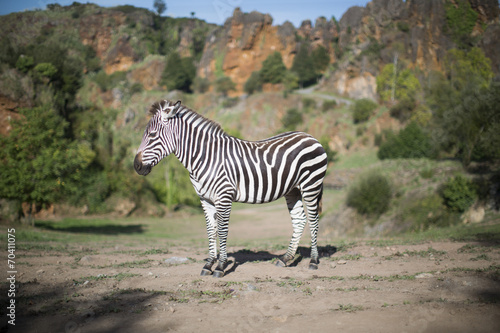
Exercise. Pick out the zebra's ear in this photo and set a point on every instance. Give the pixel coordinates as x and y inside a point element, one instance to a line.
<point>173,110</point>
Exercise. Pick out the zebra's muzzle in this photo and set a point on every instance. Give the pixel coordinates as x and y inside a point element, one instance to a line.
<point>139,167</point>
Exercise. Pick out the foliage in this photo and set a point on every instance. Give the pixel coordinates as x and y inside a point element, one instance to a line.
<point>303,66</point>
<point>201,84</point>
<point>320,58</point>
<point>254,83</point>
<point>465,116</point>
<point>458,194</point>
<point>411,142</point>
<point>45,69</point>
<point>107,82</point>
<point>421,213</point>
<point>403,109</point>
<point>160,6</point>
<point>291,81</point>
<point>466,69</point>
<point>179,73</point>
<point>24,63</point>
<point>273,69</point>
<point>362,109</point>
<point>371,195</point>
<point>400,83</point>
<point>291,119</point>
<point>308,103</point>
<point>224,84</point>
<point>329,105</point>
<point>331,155</point>
<point>39,164</point>
<point>460,21</point>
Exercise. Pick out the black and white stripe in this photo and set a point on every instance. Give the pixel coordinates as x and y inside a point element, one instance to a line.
<point>224,169</point>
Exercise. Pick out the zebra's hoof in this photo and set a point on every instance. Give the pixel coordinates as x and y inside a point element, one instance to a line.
<point>218,273</point>
<point>313,266</point>
<point>205,272</point>
<point>280,263</point>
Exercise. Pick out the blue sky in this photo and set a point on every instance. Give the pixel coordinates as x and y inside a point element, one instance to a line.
<point>215,11</point>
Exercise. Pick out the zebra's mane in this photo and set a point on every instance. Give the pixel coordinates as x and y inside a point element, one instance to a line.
<point>184,111</point>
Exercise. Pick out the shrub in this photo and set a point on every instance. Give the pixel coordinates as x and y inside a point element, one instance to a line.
<point>403,109</point>
<point>458,194</point>
<point>308,103</point>
<point>410,142</point>
<point>329,105</point>
<point>291,119</point>
<point>273,69</point>
<point>421,213</point>
<point>363,109</point>
<point>254,83</point>
<point>371,195</point>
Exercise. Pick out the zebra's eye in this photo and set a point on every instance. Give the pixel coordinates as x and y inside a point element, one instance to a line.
<point>152,134</point>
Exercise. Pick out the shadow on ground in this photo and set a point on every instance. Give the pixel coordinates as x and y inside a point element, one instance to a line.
<point>102,229</point>
<point>243,256</point>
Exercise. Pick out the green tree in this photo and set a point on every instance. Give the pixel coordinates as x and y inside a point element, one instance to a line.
<point>410,142</point>
<point>224,84</point>
<point>160,6</point>
<point>303,66</point>
<point>396,84</point>
<point>254,83</point>
<point>362,110</point>
<point>371,194</point>
<point>464,105</point>
<point>468,68</point>
<point>460,21</point>
<point>179,73</point>
<point>321,59</point>
<point>273,69</point>
<point>39,164</point>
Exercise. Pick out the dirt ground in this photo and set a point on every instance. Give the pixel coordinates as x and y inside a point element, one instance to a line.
<point>360,286</point>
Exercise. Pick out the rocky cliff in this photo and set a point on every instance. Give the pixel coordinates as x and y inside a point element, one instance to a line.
<point>359,44</point>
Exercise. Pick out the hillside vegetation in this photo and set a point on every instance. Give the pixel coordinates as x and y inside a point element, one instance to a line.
<point>413,141</point>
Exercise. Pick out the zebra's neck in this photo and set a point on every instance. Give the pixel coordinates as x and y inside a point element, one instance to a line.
<point>196,135</point>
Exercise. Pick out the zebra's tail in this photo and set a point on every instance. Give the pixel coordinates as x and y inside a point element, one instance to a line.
<point>320,201</point>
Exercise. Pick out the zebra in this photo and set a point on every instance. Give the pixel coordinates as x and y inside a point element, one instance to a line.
<point>224,169</point>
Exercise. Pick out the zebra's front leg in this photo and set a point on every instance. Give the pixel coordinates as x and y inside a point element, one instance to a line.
<point>210,212</point>
<point>223,212</point>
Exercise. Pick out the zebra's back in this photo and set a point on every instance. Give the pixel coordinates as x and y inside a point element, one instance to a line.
<point>265,170</point>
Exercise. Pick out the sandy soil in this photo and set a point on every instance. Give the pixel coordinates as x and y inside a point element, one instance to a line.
<point>360,287</point>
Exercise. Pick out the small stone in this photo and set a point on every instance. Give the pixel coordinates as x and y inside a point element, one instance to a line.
<point>342,262</point>
<point>176,260</point>
<point>171,309</point>
<point>424,276</point>
<point>40,271</point>
<point>86,259</point>
<point>333,265</point>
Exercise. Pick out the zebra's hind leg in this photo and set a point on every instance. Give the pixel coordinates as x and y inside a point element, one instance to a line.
<point>298,215</point>
<point>313,204</point>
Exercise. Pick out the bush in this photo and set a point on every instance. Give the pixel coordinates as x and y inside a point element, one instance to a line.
<point>411,142</point>
<point>329,105</point>
<point>458,194</point>
<point>371,195</point>
<point>273,69</point>
<point>308,103</point>
<point>363,109</point>
<point>254,83</point>
<point>403,109</point>
<point>421,213</point>
<point>291,119</point>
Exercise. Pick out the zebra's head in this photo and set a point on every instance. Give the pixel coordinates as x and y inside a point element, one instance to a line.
<point>158,140</point>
